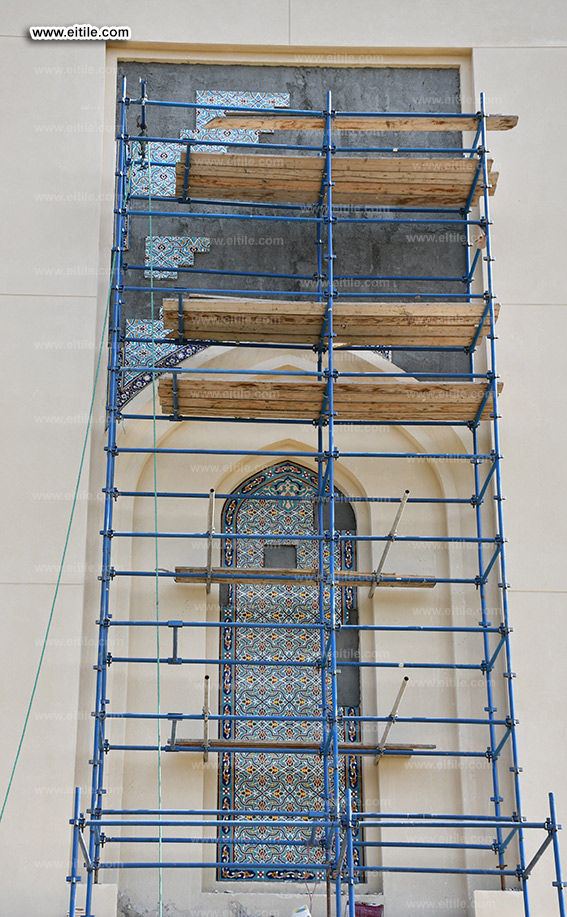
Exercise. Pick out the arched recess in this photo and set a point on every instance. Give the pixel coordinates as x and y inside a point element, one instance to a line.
<point>355,479</point>
<point>271,780</point>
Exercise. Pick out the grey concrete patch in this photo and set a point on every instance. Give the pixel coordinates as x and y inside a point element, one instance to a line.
<point>388,250</point>
<point>280,556</point>
<point>348,650</point>
<point>345,518</point>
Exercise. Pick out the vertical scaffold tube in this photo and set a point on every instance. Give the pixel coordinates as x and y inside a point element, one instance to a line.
<point>498,498</point>
<point>332,540</point>
<point>490,700</point>
<point>112,410</point>
<point>322,622</point>
<point>321,549</point>
<point>557,856</point>
<point>350,852</point>
<point>74,878</point>
<point>490,703</point>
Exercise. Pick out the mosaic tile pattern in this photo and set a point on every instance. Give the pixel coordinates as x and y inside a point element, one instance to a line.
<point>141,353</point>
<point>164,156</point>
<point>269,781</point>
<point>171,252</point>
<point>230,98</point>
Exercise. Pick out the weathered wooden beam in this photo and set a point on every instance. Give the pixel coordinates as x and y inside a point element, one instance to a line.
<point>264,575</point>
<point>279,121</point>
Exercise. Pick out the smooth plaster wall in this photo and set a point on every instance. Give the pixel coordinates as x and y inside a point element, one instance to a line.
<point>50,239</point>
<point>55,267</point>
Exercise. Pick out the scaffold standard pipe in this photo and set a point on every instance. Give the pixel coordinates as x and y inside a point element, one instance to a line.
<point>74,876</point>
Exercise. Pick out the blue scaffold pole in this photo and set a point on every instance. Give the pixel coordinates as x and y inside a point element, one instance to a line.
<point>498,497</point>
<point>329,474</point>
<point>350,854</point>
<point>120,241</point>
<point>559,883</point>
<point>74,878</point>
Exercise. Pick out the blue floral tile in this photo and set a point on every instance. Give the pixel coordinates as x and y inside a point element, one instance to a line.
<point>164,156</point>
<point>230,98</point>
<point>167,253</point>
<point>260,780</point>
<point>145,353</point>
<point>171,252</point>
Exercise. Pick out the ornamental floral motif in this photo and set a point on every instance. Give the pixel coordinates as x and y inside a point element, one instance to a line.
<point>163,156</point>
<point>171,252</point>
<point>257,780</point>
<point>141,349</point>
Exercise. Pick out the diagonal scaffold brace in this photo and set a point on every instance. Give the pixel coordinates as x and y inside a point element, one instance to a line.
<point>391,538</point>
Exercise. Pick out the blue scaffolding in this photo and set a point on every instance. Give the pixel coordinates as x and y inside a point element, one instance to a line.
<point>328,398</point>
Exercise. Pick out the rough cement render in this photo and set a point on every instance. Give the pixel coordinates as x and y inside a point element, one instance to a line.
<point>388,250</point>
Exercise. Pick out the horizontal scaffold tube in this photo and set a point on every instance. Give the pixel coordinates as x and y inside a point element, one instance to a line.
<point>275,625</point>
<point>200,747</point>
<point>303,866</point>
<point>290,420</point>
<point>313,208</point>
<point>275,536</point>
<point>424,845</point>
<point>214,840</point>
<point>507,820</point>
<point>384,580</point>
<point>282,218</point>
<point>423,456</point>
<point>306,664</point>
<point>301,719</point>
<point>338,278</point>
<point>205,495</point>
<point>351,294</point>
<point>340,348</point>
<point>186,370</point>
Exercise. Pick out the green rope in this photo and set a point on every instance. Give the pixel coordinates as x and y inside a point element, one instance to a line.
<point>156,558</point>
<point>65,546</point>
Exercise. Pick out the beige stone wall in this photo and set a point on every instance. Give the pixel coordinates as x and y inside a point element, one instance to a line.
<point>58,155</point>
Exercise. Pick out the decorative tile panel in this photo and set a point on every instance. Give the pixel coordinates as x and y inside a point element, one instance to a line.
<point>166,253</point>
<point>146,353</point>
<point>230,98</point>
<point>269,781</point>
<point>164,156</point>
<point>171,252</point>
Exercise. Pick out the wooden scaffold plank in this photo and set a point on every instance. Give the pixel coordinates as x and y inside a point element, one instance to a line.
<point>358,180</point>
<point>305,575</point>
<point>278,121</point>
<point>290,747</point>
<point>376,400</point>
<point>380,323</point>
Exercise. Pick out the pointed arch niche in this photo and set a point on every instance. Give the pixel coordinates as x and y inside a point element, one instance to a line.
<point>278,500</point>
